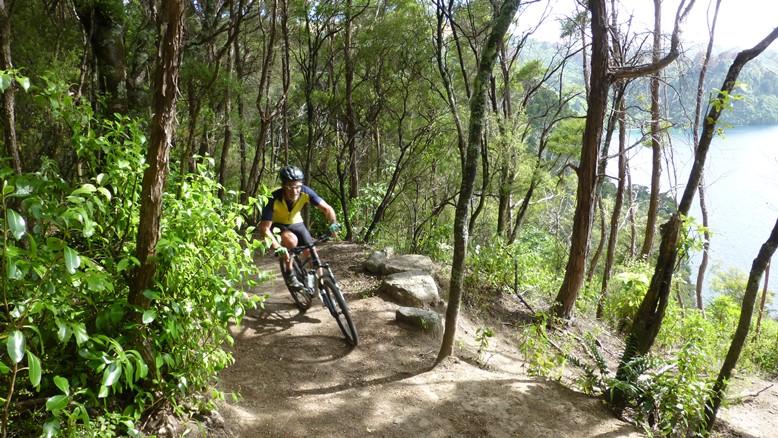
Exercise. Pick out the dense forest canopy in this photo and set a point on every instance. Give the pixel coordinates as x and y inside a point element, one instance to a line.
<point>142,137</point>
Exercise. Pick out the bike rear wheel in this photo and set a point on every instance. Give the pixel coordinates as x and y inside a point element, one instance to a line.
<point>302,297</point>
<point>337,306</point>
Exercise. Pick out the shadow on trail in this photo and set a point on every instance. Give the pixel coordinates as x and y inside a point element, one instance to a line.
<point>358,383</point>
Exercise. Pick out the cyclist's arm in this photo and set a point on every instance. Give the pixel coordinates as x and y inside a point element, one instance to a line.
<point>328,211</point>
<point>265,230</point>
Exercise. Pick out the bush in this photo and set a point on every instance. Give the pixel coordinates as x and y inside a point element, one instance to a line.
<point>68,255</point>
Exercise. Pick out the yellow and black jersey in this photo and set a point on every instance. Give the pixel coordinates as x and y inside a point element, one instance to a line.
<point>281,212</point>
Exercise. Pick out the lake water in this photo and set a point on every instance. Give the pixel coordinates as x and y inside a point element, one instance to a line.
<point>741,178</point>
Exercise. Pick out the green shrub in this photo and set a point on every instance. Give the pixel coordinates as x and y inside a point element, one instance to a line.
<point>68,255</point>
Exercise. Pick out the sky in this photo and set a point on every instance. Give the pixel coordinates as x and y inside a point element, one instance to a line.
<point>741,23</point>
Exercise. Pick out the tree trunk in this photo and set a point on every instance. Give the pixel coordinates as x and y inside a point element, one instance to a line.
<point>171,25</point>
<point>105,27</point>
<point>600,242</point>
<point>227,136</point>
<point>617,203</point>
<point>351,125</point>
<point>587,169</point>
<point>656,145</point>
<point>741,333</point>
<point>762,302</point>
<point>695,137</point>
<point>9,99</point>
<point>648,319</point>
<point>470,168</point>
<point>705,248</point>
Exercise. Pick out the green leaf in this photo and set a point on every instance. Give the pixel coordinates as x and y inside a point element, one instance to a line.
<point>63,384</point>
<point>72,260</point>
<point>51,428</point>
<point>80,331</point>
<point>5,82</point>
<point>16,224</point>
<point>23,82</point>
<point>141,371</point>
<point>4,368</point>
<point>35,369</point>
<point>15,346</point>
<point>105,192</point>
<point>57,403</point>
<point>149,315</point>
<point>84,189</point>
<point>63,331</point>
<point>13,271</point>
<point>151,294</point>
<point>103,392</point>
<point>111,374</point>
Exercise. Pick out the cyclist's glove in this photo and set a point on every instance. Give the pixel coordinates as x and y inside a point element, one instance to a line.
<point>334,227</point>
<point>281,251</point>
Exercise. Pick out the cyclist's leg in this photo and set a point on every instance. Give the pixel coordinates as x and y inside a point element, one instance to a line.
<point>289,241</point>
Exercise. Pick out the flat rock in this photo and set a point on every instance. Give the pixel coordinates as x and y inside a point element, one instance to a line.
<point>417,289</point>
<point>426,320</point>
<point>408,262</point>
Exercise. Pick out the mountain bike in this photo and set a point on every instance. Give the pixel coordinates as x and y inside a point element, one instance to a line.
<point>317,276</point>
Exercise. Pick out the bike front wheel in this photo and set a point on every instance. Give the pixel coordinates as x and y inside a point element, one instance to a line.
<point>337,306</point>
<point>302,297</point>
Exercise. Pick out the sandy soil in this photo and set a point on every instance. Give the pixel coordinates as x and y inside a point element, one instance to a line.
<point>296,376</point>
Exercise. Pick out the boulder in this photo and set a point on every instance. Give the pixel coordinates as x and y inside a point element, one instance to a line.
<point>375,263</point>
<point>408,262</point>
<point>426,320</point>
<point>413,288</point>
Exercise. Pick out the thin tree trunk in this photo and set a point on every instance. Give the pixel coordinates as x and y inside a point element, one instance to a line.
<point>741,333</point>
<point>705,247</point>
<point>587,170</point>
<point>762,301</point>
<point>656,145</point>
<point>695,137</point>
<point>650,314</point>
<point>351,126</point>
<point>470,168</point>
<point>600,242</point>
<point>227,136</point>
<point>171,25</point>
<point>633,232</point>
<point>617,203</point>
<point>286,78</point>
<point>9,98</point>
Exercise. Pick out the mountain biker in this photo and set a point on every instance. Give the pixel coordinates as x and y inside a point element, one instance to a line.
<point>283,213</point>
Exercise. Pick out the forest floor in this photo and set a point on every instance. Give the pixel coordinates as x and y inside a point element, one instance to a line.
<point>294,375</point>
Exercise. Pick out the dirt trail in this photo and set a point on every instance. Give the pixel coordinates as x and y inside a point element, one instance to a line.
<point>297,377</point>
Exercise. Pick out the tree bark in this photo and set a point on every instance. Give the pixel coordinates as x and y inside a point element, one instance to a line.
<point>601,78</point>
<point>617,203</point>
<point>762,302</point>
<point>104,23</point>
<point>470,168</point>
<point>695,137</point>
<point>171,27</point>
<point>648,319</point>
<point>587,169</point>
<point>741,333</point>
<point>656,144</point>
<point>9,95</point>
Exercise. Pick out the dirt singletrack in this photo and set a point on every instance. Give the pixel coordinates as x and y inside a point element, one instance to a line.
<point>296,376</point>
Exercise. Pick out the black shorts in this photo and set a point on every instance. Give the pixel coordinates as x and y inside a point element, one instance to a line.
<point>299,229</point>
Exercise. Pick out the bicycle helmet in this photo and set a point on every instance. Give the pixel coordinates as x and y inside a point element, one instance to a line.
<point>291,173</point>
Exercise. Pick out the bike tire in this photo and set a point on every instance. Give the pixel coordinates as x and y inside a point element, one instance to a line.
<point>302,299</point>
<point>339,310</point>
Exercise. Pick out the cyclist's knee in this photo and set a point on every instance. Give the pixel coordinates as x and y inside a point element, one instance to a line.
<point>288,239</point>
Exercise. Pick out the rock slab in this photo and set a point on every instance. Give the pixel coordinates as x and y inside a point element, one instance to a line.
<point>416,289</point>
<point>426,320</point>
